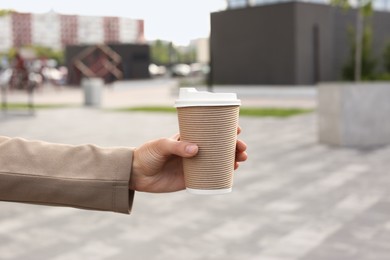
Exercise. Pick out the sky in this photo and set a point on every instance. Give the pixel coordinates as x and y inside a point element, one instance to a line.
<point>178,21</point>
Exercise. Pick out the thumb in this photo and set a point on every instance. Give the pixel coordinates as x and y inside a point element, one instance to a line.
<point>168,147</point>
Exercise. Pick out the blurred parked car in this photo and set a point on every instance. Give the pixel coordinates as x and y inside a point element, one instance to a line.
<point>156,70</point>
<point>181,70</point>
<point>199,69</point>
<point>56,76</point>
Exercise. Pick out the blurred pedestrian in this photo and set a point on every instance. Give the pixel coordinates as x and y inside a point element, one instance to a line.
<point>19,77</point>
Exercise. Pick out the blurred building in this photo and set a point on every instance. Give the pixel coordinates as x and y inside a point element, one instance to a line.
<point>56,30</point>
<point>233,4</point>
<point>202,47</point>
<point>286,43</point>
<point>110,62</point>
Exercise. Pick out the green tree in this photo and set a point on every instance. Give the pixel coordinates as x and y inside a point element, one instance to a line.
<point>160,52</point>
<point>166,53</point>
<point>40,52</point>
<point>49,53</point>
<point>368,62</point>
<point>187,56</point>
<point>386,56</point>
<point>364,10</point>
<point>11,53</point>
<point>4,12</point>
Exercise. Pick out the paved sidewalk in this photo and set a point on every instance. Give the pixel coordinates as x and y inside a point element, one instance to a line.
<point>293,200</point>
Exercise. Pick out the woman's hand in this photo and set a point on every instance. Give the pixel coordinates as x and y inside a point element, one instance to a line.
<point>157,165</point>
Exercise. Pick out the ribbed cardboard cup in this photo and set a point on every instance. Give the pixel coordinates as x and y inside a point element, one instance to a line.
<point>209,120</point>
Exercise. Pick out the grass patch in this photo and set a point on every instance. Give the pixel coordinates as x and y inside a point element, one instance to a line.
<point>244,111</point>
<point>20,106</point>
<point>272,112</point>
<point>148,109</point>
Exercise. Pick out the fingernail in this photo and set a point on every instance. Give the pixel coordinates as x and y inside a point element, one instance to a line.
<point>191,148</point>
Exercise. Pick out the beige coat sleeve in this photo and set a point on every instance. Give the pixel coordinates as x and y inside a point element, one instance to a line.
<point>84,176</point>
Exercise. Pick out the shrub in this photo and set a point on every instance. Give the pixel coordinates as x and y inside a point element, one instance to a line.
<point>386,57</point>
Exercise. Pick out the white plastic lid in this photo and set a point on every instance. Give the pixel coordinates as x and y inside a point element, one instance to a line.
<point>190,97</point>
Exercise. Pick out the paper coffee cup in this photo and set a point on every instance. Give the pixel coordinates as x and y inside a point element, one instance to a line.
<point>209,120</point>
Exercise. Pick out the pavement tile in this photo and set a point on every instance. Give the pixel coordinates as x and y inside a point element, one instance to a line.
<point>293,200</point>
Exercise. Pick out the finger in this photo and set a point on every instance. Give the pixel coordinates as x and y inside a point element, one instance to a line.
<point>241,146</point>
<point>239,130</point>
<point>236,165</point>
<point>241,157</point>
<point>167,147</point>
<point>176,137</point>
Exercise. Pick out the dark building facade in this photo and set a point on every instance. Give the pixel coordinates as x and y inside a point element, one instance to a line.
<point>286,43</point>
<point>110,62</point>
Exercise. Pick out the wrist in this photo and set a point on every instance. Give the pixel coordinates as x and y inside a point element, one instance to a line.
<point>134,171</point>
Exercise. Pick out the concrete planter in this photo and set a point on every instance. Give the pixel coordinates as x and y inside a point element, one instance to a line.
<point>354,114</point>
